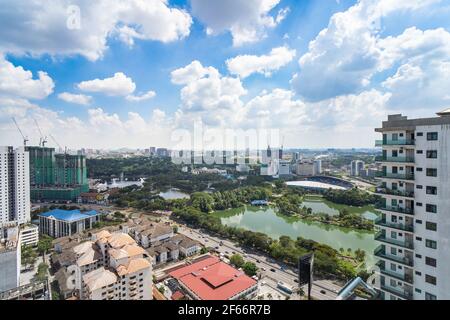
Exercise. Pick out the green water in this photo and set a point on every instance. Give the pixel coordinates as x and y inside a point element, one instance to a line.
<point>269,222</point>
<point>320,205</point>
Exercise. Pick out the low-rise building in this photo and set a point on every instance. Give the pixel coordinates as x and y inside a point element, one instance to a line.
<point>150,233</point>
<point>212,279</point>
<point>171,249</point>
<point>29,235</point>
<point>61,223</point>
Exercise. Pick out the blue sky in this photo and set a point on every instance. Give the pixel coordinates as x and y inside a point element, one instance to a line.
<point>335,78</point>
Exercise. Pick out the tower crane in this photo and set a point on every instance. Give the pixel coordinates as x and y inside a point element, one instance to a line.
<point>25,139</point>
<point>43,140</point>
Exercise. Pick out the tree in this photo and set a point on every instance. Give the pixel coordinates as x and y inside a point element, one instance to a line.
<point>41,274</point>
<point>28,256</point>
<point>360,255</point>
<point>161,289</point>
<point>250,269</point>
<point>175,229</point>
<point>237,260</point>
<point>203,250</point>
<point>44,244</point>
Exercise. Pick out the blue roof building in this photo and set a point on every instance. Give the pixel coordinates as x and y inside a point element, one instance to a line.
<point>61,223</point>
<point>259,203</point>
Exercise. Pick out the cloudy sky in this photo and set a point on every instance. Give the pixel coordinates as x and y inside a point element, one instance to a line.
<point>110,73</point>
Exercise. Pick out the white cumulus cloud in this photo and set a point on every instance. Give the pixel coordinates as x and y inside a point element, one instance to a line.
<point>75,98</point>
<point>83,27</point>
<point>350,50</point>
<point>18,82</point>
<point>138,98</point>
<point>245,65</point>
<point>118,85</point>
<point>247,20</point>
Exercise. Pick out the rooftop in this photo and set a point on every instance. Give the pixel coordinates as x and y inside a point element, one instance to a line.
<point>69,216</point>
<point>400,122</point>
<point>212,279</point>
<point>99,278</point>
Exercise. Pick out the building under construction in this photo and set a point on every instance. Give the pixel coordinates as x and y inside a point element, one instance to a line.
<point>56,177</point>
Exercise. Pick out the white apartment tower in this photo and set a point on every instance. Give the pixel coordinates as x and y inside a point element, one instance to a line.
<point>356,167</point>
<point>414,229</point>
<point>14,186</point>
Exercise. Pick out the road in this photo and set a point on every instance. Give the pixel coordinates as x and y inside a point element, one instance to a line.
<point>322,289</point>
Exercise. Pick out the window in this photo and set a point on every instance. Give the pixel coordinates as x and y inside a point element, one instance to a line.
<point>431,190</point>
<point>431,208</point>
<point>418,256</point>
<point>431,172</point>
<point>430,279</point>
<point>419,169</point>
<point>419,151</point>
<point>430,261</point>
<point>419,134</point>
<point>431,154</point>
<point>418,238</point>
<point>418,273</point>
<point>432,136</point>
<point>419,221</point>
<point>429,296</point>
<point>419,204</point>
<point>419,186</point>
<point>431,226</point>
<point>430,244</point>
<point>418,290</point>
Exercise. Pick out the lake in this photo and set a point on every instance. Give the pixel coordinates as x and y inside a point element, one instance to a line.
<point>320,205</point>
<point>173,194</point>
<point>268,221</point>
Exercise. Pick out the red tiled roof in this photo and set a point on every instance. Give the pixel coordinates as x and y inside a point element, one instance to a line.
<point>177,295</point>
<point>212,279</point>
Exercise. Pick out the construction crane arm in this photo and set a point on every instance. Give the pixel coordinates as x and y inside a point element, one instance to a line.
<point>25,139</point>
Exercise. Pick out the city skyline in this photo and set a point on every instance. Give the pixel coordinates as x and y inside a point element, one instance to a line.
<point>323,73</point>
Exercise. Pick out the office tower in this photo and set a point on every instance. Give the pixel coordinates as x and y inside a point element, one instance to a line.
<point>356,167</point>
<point>305,168</point>
<point>414,229</point>
<point>14,186</point>
<point>317,167</point>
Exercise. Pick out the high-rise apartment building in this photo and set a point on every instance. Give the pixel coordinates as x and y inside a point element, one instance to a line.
<point>10,261</point>
<point>53,176</point>
<point>414,229</point>
<point>14,186</point>
<point>356,167</point>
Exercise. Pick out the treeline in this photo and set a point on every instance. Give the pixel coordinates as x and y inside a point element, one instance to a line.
<point>352,197</point>
<point>236,198</point>
<point>132,168</point>
<point>327,259</point>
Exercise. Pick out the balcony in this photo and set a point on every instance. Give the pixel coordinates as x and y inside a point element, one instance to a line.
<point>398,209</point>
<point>399,142</point>
<point>400,226</point>
<point>403,277</point>
<point>399,292</point>
<point>399,176</point>
<point>386,191</point>
<point>381,236</point>
<point>395,159</point>
<point>381,253</point>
